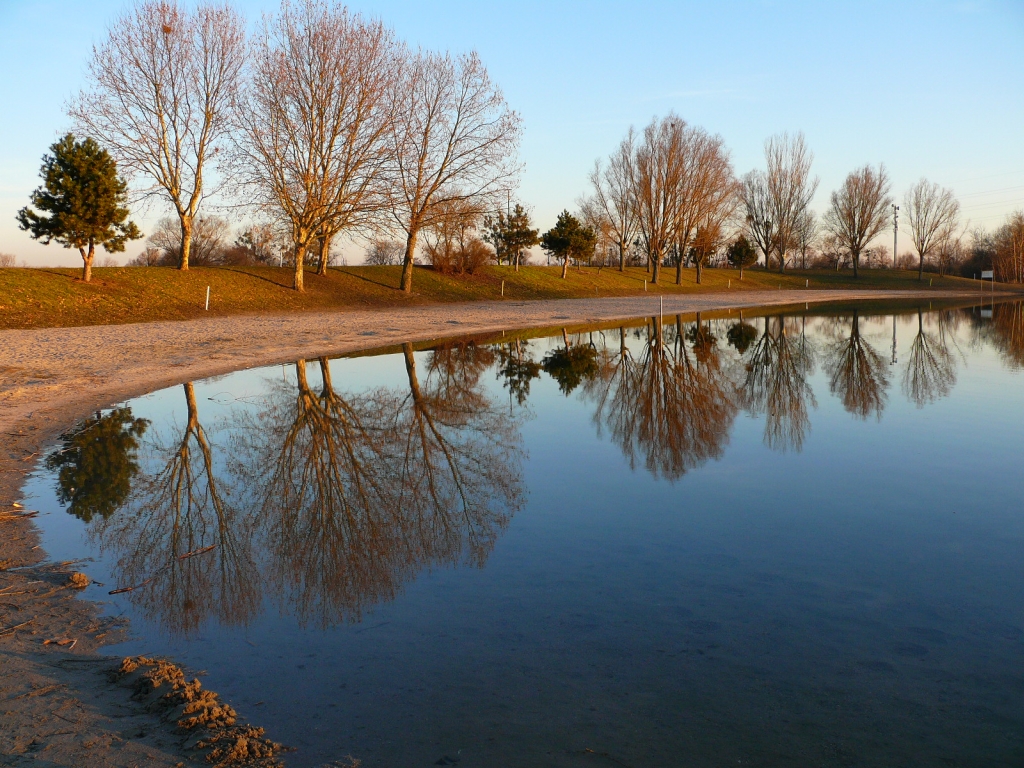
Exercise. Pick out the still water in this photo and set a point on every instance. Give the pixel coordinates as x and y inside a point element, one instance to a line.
<point>783,540</point>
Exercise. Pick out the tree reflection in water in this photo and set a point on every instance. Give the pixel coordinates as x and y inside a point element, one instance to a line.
<point>857,373</point>
<point>97,462</point>
<point>333,541</point>
<point>930,373</point>
<point>456,458</point>
<point>329,501</point>
<point>1007,332</point>
<point>775,384</point>
<point>673,407</point>
<point>180,541</point>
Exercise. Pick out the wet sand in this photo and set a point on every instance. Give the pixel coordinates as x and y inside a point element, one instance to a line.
<point>60,700</point>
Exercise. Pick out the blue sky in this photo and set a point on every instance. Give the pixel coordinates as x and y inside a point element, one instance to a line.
<point>929,88</point>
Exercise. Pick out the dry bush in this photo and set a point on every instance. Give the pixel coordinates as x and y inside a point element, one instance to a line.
<point>454,257</point>
<point>7,260</point>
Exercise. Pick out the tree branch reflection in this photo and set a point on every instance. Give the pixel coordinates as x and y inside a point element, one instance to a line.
<point>857,373</point>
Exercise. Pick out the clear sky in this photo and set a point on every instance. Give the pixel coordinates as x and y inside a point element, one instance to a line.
<point>932,88</point>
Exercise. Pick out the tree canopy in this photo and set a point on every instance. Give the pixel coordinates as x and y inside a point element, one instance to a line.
<point>511,234</point>
<point>81,203</point>
<point>569,239</point>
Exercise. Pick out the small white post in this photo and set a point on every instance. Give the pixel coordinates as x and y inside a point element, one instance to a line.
<point>502,287</point>
<point>730,283</point>
<point>645,286</point>
<point>807,283</point>
<point>207,298</point>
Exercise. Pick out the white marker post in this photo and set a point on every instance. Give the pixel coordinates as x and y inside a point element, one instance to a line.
<point>503,288</point>
<point>207,298</point>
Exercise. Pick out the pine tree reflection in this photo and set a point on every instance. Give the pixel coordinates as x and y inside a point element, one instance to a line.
<point>857,373</point>
<point>96,463</point>
<point>181,544</point>
<point>775,384</point>
<point>931,368</point>
<point>571,364</point>
<point>517,369</point>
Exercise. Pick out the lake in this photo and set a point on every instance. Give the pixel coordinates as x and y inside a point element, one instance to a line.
<point>781,538</point>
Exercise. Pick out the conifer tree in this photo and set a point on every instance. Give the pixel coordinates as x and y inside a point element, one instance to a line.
<point>81,203</point>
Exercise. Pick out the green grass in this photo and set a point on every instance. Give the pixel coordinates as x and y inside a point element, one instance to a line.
<point>38,298</point>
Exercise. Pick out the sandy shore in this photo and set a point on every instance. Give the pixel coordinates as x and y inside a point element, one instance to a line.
<point>58,705</point>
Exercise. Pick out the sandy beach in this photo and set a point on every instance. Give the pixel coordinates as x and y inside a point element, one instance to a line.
<point>60,703</point>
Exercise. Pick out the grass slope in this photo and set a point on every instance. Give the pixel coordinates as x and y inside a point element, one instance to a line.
<point>38,298</point>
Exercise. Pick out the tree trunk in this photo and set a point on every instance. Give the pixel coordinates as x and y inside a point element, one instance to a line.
<point>517,260</point>
<point>325,253</point>
<point>655,260</point>
<point>920,267</point>
<point>622,257</point>
<point>190,405</point>
<point>699,270</point>
<point>410,251</point>
<point>565,338</point>
<point>741,274</point>
<point>186,241</point>
<point>87,257</point>
<point>782,261</point>
<point>856,259</point>
<point>679,270</point>
<point>300,266</point>
<point>565,266</point>
<point>410,369</point>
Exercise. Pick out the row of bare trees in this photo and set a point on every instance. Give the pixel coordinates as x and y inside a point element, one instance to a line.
<point>671,193</point>
<point>322,122</point>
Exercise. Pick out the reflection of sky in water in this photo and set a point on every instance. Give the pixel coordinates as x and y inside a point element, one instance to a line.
<point>857,601</point>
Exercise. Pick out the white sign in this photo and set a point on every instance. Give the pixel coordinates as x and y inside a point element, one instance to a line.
<point>988,274</point>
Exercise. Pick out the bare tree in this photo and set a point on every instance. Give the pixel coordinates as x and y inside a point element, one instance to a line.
<point>384,252</point>
<point>210,235</point>
<point>1009,249</point>
<point>933,213</point>
<point>758,213</point>
<point>314,121</point>
<point>656,165</point>
<point>453,138</point>
<point>160,88</point>
<point>613,196</point>
<point>704,196</point>
<point>790,188</point>
<point>860,210</point>
<point>806,233</point>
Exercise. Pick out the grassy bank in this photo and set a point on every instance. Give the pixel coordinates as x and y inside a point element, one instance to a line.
<point>36,298</point>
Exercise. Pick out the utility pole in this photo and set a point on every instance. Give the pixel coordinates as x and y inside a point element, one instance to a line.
<point>895,231</point>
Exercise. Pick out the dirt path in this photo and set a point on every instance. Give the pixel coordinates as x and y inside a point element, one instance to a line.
<point>57,703</point>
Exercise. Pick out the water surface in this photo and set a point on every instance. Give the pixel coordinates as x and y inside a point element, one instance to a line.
<point>779,540</point>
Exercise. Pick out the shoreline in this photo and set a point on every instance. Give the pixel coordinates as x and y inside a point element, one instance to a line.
<point>50,378</point>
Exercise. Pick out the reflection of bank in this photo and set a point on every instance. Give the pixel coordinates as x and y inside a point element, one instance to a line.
<point>328,502</point>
